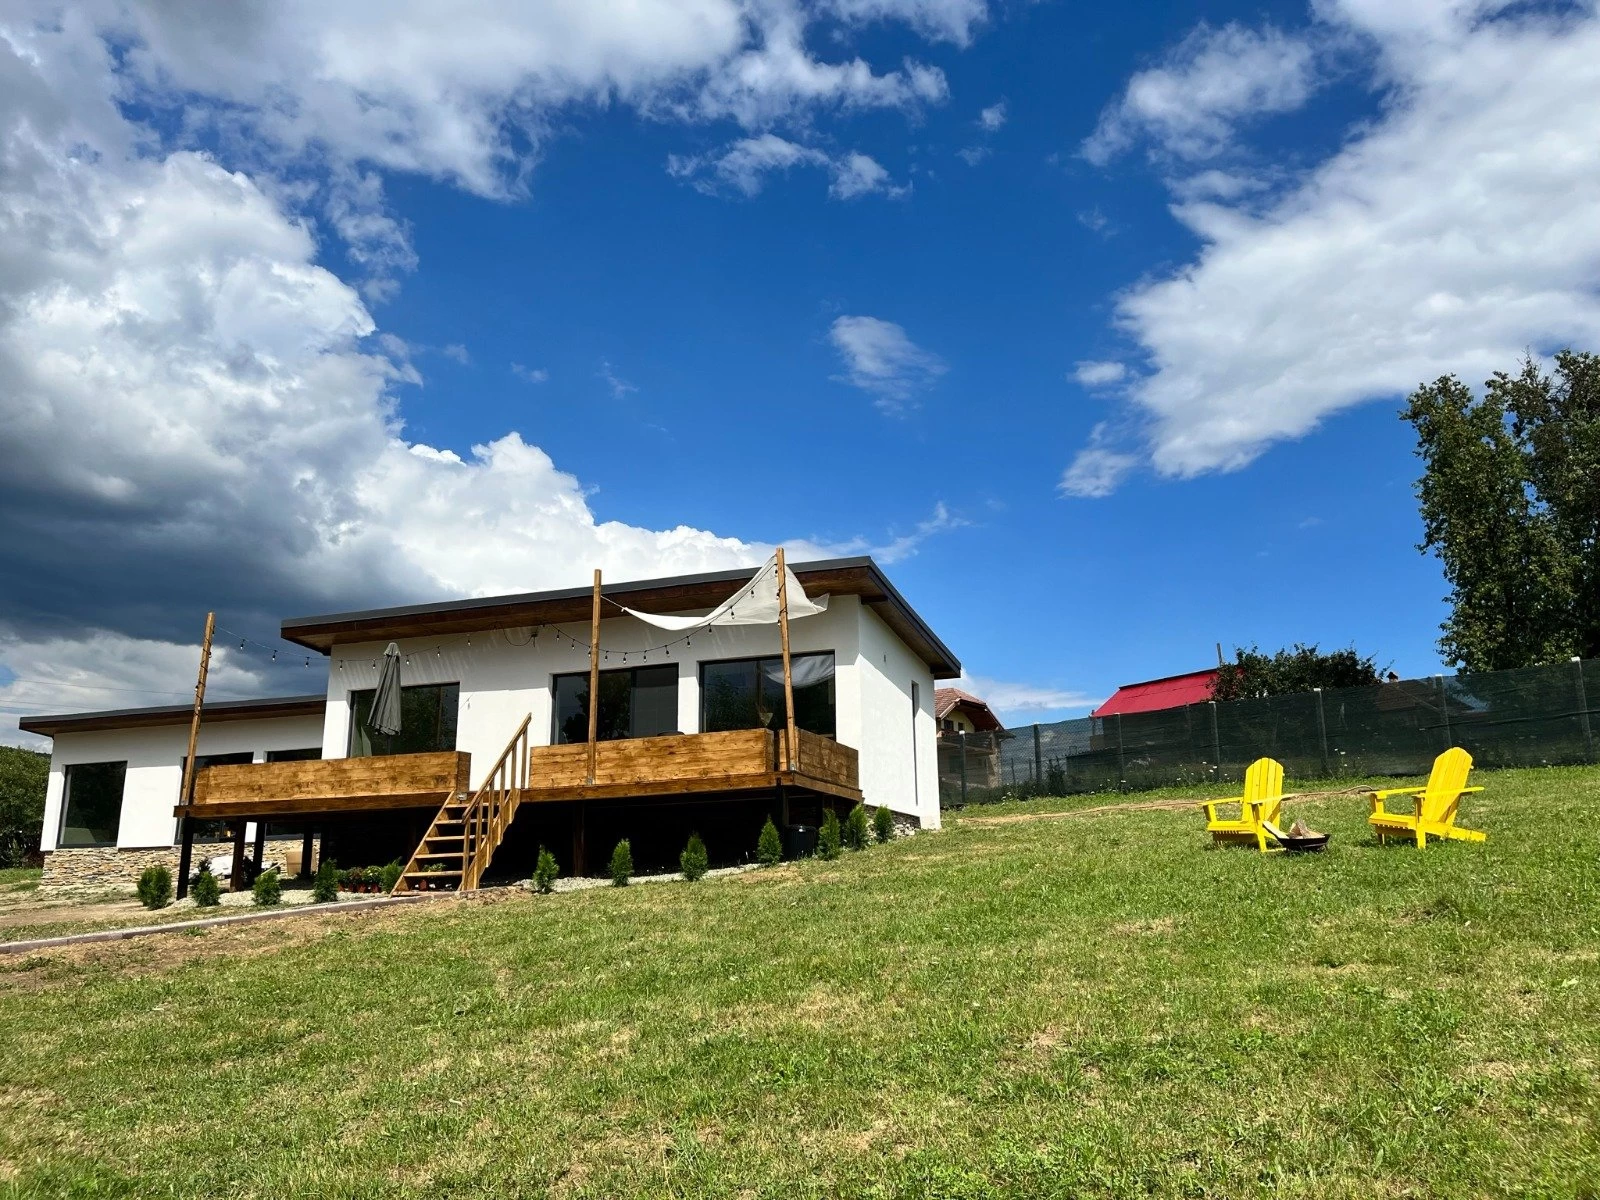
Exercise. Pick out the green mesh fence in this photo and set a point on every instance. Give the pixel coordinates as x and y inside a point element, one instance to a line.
<point>1531,717</point>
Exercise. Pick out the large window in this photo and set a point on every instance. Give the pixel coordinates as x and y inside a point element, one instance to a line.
<point>91,808</point>
<point>747,693</point>
<point>639,702</point>
<point>427,721</point>
<point>214,831</point>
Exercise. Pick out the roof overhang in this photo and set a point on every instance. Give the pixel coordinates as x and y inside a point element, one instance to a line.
<point>679,593</point>
<point>176,714</point>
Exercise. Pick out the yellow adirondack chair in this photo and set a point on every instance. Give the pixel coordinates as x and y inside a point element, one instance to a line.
<point>1258,807</point>
<point>1433,806</point>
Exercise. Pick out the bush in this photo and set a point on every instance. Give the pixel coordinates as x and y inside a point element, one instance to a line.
<point>828,836</point>
<point>545,872</point>
<point>769,846</point>
<point>693,861</point>
<point>882,823</point>
<point>325,888</point>
<point>266,889</point>
<point>855,827</point>
<point>621,863</point>
<point>207,892</point>
<point>389,876</point>
<point>23,775</point>
<point>155,887</point>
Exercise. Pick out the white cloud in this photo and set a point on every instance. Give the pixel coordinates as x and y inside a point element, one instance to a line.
<point>993,117</point>
<point>880,359</point>
<point>618,386</point>
<point>1449,234</point>
<point>530,374</point>
<point>743,167</point>
<point>973,155</point>
<point>456,352</point>
<point>1024,703</point>
<point>1099,468</point>
<point>1093,373</point>
<point>1189,105</point>
<point>948,20</point>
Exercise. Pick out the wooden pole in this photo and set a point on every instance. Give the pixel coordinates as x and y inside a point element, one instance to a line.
<point>788,677</point>
<point>186,786</point>
<point>594,674</point>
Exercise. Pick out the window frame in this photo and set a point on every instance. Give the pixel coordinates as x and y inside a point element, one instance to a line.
<point>555,702</point>
<point>66,804</point>
<point>761,658</point>
<point>352,729</point>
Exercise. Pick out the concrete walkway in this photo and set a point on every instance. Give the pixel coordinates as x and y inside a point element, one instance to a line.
<point>266,914</point>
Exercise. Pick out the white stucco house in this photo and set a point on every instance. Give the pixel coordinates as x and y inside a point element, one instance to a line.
<point>690,733</point>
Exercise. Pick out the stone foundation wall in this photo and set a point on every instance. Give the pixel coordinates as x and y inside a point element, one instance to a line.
<point>110,869</point>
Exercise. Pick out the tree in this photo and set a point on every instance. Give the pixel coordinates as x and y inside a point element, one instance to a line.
<point>769,847</point>
<point>1510,502</point>
<point>1297,669</point>
<point>23,775</point>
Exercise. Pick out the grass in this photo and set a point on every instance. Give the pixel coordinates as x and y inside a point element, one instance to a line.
<point>1085,1004</point>
<point>19,879</point>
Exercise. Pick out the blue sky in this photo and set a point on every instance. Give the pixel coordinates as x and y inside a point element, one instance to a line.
<point>1095,327</point>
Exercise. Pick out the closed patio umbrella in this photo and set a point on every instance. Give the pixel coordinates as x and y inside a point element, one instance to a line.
<point>385,715</point>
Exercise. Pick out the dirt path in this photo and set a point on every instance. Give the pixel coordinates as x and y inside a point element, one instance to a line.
<point>1144,806</point>
<point>58,912</point>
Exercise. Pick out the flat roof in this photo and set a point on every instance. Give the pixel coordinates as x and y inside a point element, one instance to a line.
<point>836,576</point>
<point>176,714</point>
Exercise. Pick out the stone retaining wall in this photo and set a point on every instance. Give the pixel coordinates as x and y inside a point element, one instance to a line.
<point>110,869</point>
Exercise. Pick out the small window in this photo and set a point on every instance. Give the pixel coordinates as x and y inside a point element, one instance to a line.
<point>427,721</point>
<point>91,805</point>
<point>747,693</point>
<point>634,703</point>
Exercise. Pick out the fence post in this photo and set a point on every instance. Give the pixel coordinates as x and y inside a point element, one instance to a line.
<point>1038,761</point>
<point>962,738</point>
<point>1322,733</point>
<point>1583,711</point>
<point>1122,783</point>
<point>1444,711</point>
<point>1216,740</point>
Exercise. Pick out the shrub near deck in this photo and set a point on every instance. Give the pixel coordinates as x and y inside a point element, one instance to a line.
<point>1080,1004</point>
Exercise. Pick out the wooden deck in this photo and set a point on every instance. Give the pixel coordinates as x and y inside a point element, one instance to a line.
<point>329,785</point>
<point>742,760</point>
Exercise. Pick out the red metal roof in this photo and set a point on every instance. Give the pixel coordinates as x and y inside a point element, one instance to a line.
<point>1153,695</point>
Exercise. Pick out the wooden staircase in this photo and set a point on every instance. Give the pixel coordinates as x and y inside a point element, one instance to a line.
<point>466,831</point>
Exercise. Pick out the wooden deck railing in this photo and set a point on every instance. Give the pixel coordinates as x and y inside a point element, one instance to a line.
<point>493,807</point>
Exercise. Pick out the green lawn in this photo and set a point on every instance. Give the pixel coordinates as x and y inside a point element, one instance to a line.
<point>19,879</point>
<point>1091,1004</point>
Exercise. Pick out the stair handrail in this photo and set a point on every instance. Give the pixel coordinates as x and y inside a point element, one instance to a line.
<point>485,811</point>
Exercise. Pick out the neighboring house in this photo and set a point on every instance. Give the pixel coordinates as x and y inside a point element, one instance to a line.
<point>495,715</point>
<point>962,717</point>
<point>1154,695</point>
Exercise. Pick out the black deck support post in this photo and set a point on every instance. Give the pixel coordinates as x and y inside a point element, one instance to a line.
<point>236,873</point>
<point>1038,762</point>
<point>185,854</point>
<point>578,848</point>
<point>261,844</point>
<point>961,738</point>
<point>306,839</point>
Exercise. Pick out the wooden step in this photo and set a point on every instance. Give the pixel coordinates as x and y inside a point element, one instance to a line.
<point>445,874</point>
<point>452,855</point>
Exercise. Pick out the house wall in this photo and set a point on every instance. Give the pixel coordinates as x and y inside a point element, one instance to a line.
<point>504,677</point>
<point>150,789</point>
<point>899,759</point>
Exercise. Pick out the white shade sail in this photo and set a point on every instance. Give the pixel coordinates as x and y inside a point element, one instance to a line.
<point>755,603</point>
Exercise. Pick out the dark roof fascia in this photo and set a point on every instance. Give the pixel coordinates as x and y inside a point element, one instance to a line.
<point>174,714</point>
<point>300,629</point>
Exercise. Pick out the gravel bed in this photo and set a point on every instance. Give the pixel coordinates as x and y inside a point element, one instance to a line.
<point>580,884</point>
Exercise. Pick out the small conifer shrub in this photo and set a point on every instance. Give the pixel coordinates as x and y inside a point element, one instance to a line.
<point>325,887</point>
<point>882,823</point>
<point>855,828</point>
<point>828,836</point>
<point>207,892</point>
<point>266,890</point>
<point>155,887</point>
<point>769,846</point>
<point>693,860</point>
<point>389,876</point>
<point>622,863</point>
<point>545,872</point>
